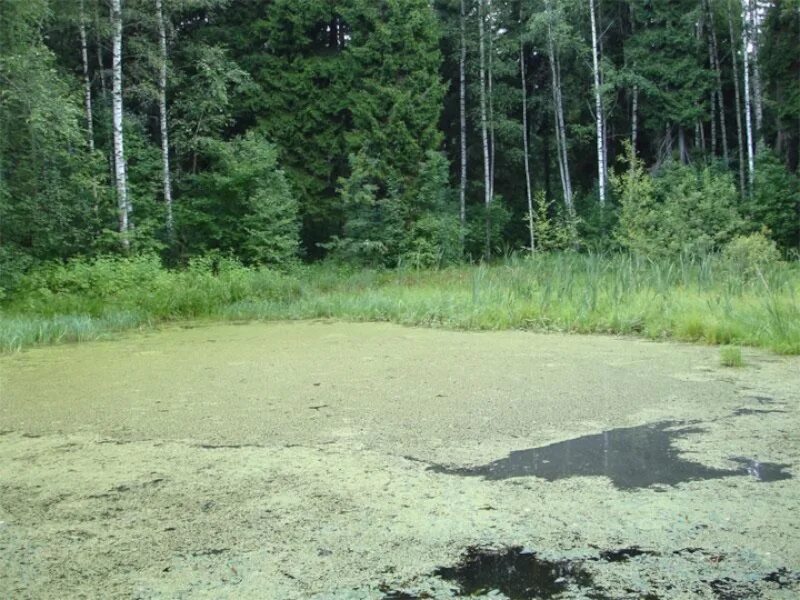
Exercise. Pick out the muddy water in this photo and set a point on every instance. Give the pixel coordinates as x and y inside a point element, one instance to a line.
<point>325,460</point>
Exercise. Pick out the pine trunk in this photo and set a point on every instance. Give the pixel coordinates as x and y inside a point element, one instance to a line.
<point>162,113</point>
<point>598,102</point>
<point>123,205</point>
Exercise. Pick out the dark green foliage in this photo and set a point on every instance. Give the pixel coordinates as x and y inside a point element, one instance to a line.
<point>241,205</point>
<point>298,128</point>
<point>499,219</point>
<point>49,183</point>
<point>434,234</point>
<point>374,227</point>
<point>775,202</point>
<point>781,67</point>
<point>683,210</point>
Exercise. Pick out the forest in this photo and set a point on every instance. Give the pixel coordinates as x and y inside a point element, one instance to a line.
<point>345,135</point>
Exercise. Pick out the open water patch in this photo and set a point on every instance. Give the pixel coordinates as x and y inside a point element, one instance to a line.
<point>516,572</point>
<point>631,457</point>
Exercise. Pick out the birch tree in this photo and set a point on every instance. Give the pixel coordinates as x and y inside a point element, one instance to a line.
<point>634,95</point>
<point>462,105</point>
<point>487,186</point>
<point>87,82</point>
<point>752,22</point>
<point>738,101</point>
<point>162,113</point>
<point>124,207</point>
<point>748,108</point>
<point>558,110</point>
<point>526,153</point>
<point>490,84</point>
<point>598,106</point>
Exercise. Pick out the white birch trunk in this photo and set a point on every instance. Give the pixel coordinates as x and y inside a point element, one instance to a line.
<point>748,108</point>
<point>635,98</point>
<point>758,106</point>
<point>738,100</point>
<point>562,128</point>
<point>87,83</point>
<point>526,154</point>
<point>99,49</point>
<point>714,145</point>
<point>162,113</point>
<point>123,204</point>
<point>462,92</point>
<point>490,78</point>
<point>635,118</point>
<point>598,101</point>
<point>558,115</point>
<point>487,187</point>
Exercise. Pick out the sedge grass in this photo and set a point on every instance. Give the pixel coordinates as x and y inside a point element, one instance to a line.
<point>691,299</point>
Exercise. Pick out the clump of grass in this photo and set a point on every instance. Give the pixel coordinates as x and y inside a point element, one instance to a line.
<point>731,356</point>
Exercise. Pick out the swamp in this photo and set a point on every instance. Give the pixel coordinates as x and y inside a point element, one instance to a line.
<point>399,299</point>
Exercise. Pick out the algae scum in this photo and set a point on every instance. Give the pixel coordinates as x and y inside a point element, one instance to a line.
<point>350,461</point>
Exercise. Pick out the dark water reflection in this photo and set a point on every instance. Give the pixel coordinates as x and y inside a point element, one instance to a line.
<point>631,457</point>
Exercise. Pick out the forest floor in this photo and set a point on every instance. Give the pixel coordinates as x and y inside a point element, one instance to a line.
<point>341,460</point>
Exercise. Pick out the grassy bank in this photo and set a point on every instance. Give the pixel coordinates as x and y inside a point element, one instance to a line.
<point>705,299</point>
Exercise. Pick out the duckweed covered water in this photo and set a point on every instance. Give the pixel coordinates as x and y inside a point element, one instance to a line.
<point>291,461</point>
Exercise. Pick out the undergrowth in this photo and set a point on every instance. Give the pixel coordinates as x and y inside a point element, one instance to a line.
<point>705,299</point>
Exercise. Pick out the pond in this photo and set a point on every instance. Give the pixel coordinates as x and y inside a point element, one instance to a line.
<point>368,460</point>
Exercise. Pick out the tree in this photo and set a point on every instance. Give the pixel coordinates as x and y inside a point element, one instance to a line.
<point>598,106</point>
<point>551,25</point>
<point>124,205</point>
<point>748,105</point>
<point>487,169</point>
<point>462,105</point>
<point>46,170</point>
<point>87,84</point>
<point>738,102</point>
<point>162,116</point>
<point>526,153</point>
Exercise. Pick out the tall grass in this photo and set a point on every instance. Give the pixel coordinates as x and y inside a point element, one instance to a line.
<point>703,299</point>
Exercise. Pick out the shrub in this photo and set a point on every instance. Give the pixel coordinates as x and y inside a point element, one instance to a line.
<point>639,213</point>
<point>749,254</point>
<point>775,202</point>
<point>552,228</point>
<point>684,210</point>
